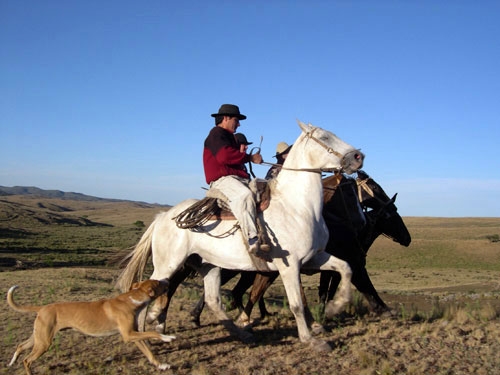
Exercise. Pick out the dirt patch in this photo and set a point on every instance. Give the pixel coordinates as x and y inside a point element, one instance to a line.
<point>463,340</point>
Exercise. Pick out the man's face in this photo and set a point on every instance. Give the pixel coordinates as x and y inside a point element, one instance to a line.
<point>243,148</point>
<point>230,123</point>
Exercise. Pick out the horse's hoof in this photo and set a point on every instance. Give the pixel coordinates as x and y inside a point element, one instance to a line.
<point>160,328</point>
<point>332,308</point>
<point>383,312</point>
<point>245,323</point>
<point>320,345</point>
<point>317,328</point>
<point>247,337</point>
<point>389,313</point>
<point>195,323</point>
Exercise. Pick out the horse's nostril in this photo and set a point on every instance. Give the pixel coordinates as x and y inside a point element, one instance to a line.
<point>357,156</point>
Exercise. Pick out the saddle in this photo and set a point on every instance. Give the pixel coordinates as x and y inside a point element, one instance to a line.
<point>214,206</point>
<point>261,192</point>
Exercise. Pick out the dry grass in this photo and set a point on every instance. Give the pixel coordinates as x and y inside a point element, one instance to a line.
<point>445,289</point>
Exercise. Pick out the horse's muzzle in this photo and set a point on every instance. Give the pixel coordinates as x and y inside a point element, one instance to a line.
<point>352,161</point>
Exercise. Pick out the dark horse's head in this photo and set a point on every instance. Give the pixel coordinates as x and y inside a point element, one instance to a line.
<point>381,211</point>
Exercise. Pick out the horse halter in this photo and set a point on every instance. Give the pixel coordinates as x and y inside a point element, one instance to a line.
<point>331,150</point>
<point>327,148</point>
<point>322,144</point>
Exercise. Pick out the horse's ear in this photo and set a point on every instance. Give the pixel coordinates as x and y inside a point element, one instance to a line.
<point>362,175</point>
<point>394,198</point>
<point>303,126</point>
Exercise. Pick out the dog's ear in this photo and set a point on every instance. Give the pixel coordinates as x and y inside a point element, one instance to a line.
<point>158,287</point>
<point>134,286</point>
<point>152,292</point>
<point>153,288</point>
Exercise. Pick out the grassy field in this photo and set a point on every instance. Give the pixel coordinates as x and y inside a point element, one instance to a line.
<point>444,288</point>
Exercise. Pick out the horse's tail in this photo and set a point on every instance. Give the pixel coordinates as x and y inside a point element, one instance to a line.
<point>137,260</point>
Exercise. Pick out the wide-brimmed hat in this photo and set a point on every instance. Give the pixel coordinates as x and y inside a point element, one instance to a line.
<point>229,110</point>
<point>282,148</point>
<point>242,140</point>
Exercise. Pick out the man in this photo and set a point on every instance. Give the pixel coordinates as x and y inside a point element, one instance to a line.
<point>282,151</point>
<point>224,166</point>
<point>242,141</point>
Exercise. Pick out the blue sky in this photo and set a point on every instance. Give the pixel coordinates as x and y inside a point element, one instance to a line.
<point>113,98</point>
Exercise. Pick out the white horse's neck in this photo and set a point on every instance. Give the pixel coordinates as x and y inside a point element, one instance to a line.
<point>299,182</point>
<point>301,190</point>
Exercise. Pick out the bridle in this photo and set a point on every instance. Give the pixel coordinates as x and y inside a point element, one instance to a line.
<point>377,213</point>
<point>322,144</point>
<point>328,149</point>
<point>362,185</point>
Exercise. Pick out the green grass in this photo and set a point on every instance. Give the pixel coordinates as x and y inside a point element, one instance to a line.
<point>441,243</point>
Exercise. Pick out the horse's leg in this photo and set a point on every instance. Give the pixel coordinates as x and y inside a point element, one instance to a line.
<point>260,284</point>
<point>259,288</point>
<point>159,308</point>
<point>315,327</point>
<point>246,280</point>
<point>324,261</point>
<point>165,266</point>
<point>290,274</point>
<point>324,286</point>
<point>196,311</point>
<point>334,284</point>
<point>361,280</point>
<point>212,282</point>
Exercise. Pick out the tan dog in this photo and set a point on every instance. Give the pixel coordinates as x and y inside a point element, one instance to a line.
<point>99,318</point>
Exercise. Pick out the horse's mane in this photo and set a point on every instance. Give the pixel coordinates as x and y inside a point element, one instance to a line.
<point>272,184</point>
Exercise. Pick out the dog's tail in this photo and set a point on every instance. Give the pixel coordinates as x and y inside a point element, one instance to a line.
<point>15,306</point>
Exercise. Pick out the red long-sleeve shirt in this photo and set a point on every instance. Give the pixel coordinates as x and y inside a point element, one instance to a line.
<point>222,156</point>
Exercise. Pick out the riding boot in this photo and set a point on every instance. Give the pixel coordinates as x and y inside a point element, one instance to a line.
<point>254,245</point>
<point>261,251</point>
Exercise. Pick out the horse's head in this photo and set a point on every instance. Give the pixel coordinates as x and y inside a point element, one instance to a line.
<point>388,222</point>
<point>317,148</point>
<point>383,216</point>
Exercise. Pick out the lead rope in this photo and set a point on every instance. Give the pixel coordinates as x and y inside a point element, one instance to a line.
<point>251,153</point>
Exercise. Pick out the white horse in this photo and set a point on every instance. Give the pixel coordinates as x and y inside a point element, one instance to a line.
<point>293,220</point>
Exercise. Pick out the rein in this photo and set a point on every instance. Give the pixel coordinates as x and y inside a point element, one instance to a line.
<point>313,170</point>
<point>328,149</point>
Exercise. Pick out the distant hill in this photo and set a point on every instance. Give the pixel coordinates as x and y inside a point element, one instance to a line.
<point>37,192</point>
<point>41,227</point>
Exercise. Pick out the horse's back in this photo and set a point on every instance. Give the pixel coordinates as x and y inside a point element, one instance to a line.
<point>178,208</point>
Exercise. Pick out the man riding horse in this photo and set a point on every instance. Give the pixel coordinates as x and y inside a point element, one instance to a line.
<point>224,166</point>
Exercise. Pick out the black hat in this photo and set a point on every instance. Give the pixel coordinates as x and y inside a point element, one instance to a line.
<point>229,110</point>
<point>242,140</point>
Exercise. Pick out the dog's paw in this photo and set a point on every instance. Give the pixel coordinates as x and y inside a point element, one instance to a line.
<point>163,366</point>
<point>167,338</point>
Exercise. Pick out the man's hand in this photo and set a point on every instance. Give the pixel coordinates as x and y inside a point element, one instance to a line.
<point>256,158</point>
